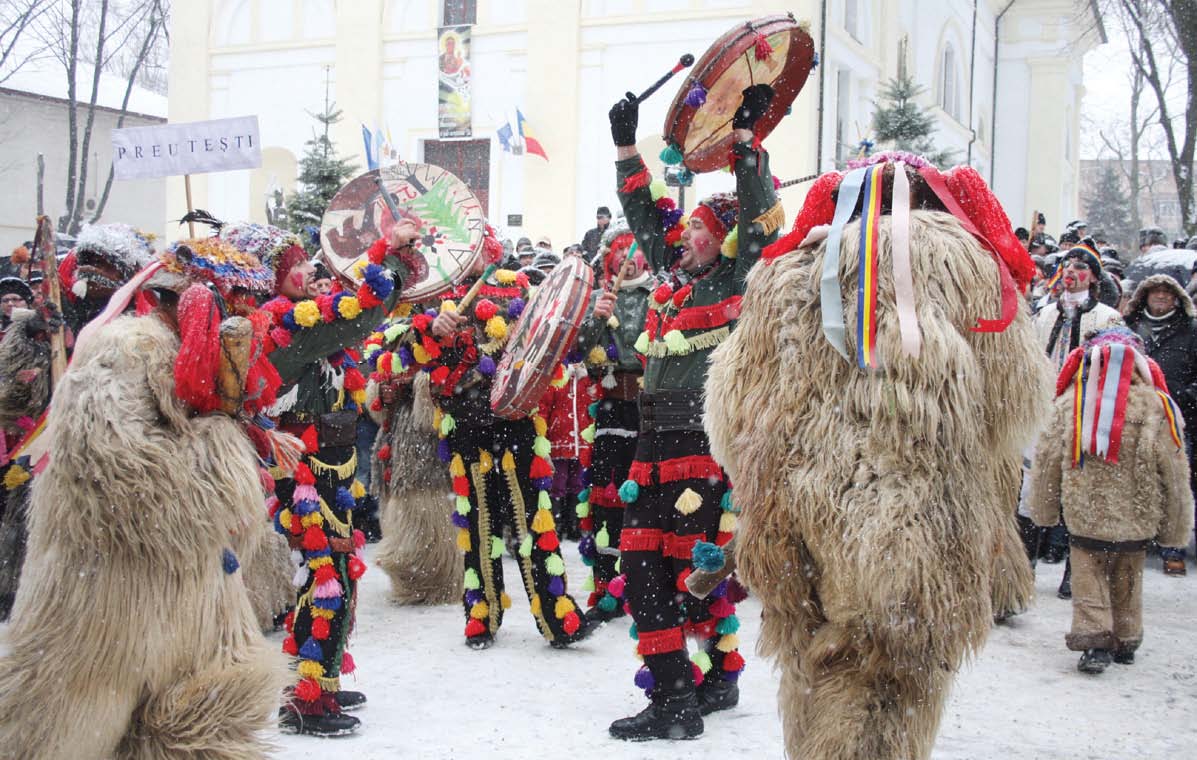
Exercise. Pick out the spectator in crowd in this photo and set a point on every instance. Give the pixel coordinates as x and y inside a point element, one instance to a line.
<point>14,294</point>
<point>546,261</point>
<point>592,238</point>
<point>1161,314</point>
<point>524,252</point>
<point>1152,239</point>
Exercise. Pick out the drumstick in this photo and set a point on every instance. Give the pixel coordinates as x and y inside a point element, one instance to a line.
<point>386,197</point>
<point>683,62</point>
<point>472,293</point>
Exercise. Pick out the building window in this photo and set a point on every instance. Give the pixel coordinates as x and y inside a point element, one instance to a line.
<point>949,83</point>
<point>459,12</point>
<point>852,19</point>
<point>1166,211</point>
<point>843,95</point>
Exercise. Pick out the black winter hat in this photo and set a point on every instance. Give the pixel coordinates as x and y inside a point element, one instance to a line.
<point>10,285</point>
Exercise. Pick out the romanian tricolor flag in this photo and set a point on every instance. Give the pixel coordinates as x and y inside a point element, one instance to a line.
<point>531,144</point>
<point>866,291</point>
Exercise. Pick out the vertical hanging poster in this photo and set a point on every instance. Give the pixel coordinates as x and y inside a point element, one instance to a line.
<point>453,91</point>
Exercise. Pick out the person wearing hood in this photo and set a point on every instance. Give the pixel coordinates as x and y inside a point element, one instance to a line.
<point>1161,314</point>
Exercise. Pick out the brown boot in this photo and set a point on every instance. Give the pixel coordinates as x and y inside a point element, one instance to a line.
<point>1175,566</point>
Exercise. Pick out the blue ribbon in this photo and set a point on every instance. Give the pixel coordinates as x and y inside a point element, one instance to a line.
<point>829,284</point>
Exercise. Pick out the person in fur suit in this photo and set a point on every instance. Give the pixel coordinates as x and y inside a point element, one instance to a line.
<point>876,474</point>
<point>132,635</point>
<point>1116,470</point>
<point>417,551</point>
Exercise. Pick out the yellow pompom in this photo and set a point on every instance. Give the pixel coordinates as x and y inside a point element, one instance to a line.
<point>463,539</point>
<point>563,607</point>
<point>731,244</point>
<point>597,355</point>
<point>402,310</point>
<point>307,313</point>
<point>480,611</point>
<point>727,523</point>
<point>357,490</point>
<point>315,518</point>
<point>284,519</point>
<point>349,307</point>
<point>508,461</point>
<point>541,427</point>
<point>437,414</point>
<point>320,612</point>
<point>505,276</point>
<point>319,562</point>
<point>613,322</point>
<point>486,462</point>
<point>496,328</point>
<point>359,269</point>
<point>504,600</point>
<point>728,643</point>
<point>358,396</point>
<point>457,467</point>
<point>310,669</point>
<point>421,356</point>
<point>688,503</point>
<point>535,604</point>
<point>448,305</point>
<point>543,522</point>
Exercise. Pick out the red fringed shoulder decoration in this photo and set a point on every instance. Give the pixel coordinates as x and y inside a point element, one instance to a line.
<point>636,181</point>
<point>818,208</point>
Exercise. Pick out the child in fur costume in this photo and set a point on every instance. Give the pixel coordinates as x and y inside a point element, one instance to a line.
<point>132,635</point>
<point>870,410</point>
<point>1112,461</point>
<point>417,551</point>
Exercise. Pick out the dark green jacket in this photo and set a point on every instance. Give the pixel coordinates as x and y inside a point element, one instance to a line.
<point>630,307</point>
<point>722,284</point>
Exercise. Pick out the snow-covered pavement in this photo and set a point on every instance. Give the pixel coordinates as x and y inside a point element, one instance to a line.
<point>431,697</point>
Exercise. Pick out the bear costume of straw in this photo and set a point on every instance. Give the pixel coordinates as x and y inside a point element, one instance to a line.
<point>877,504</point>
<point>132,635</point>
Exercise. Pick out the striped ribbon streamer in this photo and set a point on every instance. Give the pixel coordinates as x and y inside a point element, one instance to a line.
<point>1078,405</point>
<point>829,284</point>
<point>908,321</point>
<point>866,276</point>
<point>1173,414</point>
<point>1109,400</point>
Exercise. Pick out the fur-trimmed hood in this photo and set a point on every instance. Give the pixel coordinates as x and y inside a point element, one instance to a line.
<point>1138,302</point>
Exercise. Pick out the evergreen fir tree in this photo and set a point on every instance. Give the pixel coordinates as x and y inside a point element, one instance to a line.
<point>1108,208</point>
<point>902,124</point>
<point>321,175</point>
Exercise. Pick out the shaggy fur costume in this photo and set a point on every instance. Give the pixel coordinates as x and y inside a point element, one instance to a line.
<point>129,638</point>
<point>267,572</point>
<point>874,503</point>
<point>417,551</point>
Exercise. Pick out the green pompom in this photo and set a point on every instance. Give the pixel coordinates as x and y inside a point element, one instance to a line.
<point>526,547</point>
<point>676,342</point>
<point>607,603</point>
<point>588,433</point>
<point>602,539</point>
<point>629,491</point>
<point>584,494</point>
<point>471,580</point>
<point>641,345</point>
<point>658,189</point>
<point>702,660</point>
<point>541,447</point>
<point>592,409</point>
<point>394,331</point>
<point>555,565</point>
<point>619,565</point>
<point>463,505</point>
<point>726,502</point>
<point>448,424</point>
<point>633,632</point>
<point>671,156</point>
<point>588,584</point>
<point>496,547</point>
<point>543,501</point>
<point>583,509</point>
<point>729,624</point>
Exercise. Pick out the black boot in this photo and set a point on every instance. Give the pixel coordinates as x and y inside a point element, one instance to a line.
<point>668,716</point>
<point>599,615</point>
<point>327,724</point>
<point>1124,656</point>
<point>716,694</point>
<point>1094,661</point>
<point>587,627</point>
<point>481,641</point>
<point>350,700</point>
<point>1065,590</point>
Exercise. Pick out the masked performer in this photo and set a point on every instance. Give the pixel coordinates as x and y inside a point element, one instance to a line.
<point>676,494</point>
<point>871,411</point>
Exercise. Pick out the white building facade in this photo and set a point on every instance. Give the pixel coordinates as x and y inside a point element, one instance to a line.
<point>562,63</point>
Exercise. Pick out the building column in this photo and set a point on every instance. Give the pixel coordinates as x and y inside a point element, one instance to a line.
<point>551,107</point>
<point>357,74</point>
<point>189,97</point>
<point>1047,170</point>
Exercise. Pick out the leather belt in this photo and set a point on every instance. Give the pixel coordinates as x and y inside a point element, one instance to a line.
<point>671,411</point>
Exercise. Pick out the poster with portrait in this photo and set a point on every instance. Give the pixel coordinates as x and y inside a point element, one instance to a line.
<point>453,91</point>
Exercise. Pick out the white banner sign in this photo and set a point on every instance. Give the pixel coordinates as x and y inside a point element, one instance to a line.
<point>193,148</point>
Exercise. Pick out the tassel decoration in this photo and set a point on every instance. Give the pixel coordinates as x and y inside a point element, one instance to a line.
<point>762,50</point>
<point>697,95</point>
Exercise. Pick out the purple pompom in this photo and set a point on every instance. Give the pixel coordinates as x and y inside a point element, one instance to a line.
<point>612,352</point>
<point>442,450</point>
<point>542,484</point>
<point>732,675</point>
<point>584,478</point>
<point>405,357</point>
<point>431,313</point>
<point>556,586</point>
<point>586,547</point>
<point>486,365</point>
<point>459,520</point>
<point>644,679</point>
<point>670,218</point>
<point>719,591</point>
<point>473,596</point>
<point>573,357</point>
<point>696,96</point>
<point>515,308</point>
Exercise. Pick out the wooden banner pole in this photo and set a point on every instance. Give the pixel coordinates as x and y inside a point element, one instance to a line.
<point>190,207</point>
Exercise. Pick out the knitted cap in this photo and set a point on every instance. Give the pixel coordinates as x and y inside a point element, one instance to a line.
<point>276,248</point>
<point>122,246</point>
<point>219,262</point>
<point>719,213</point>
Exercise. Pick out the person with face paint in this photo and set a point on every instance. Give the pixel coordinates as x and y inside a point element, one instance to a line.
<point>319,402</point>
<point>676,495</point>
<point>607,340</point>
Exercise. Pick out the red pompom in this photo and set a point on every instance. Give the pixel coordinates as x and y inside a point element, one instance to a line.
<point>761,47</point>
<point>674,236</point>
<point>461,485</point>
<point>570,623</point>
<point>665,203</point>
<point>303,473</point>
<point>376,405</point>
<point>359,539</point>
<point>474,628</point>
<point>314,539</point>
<point>586,524</point>
<point>439,375</point>
<point>485,309</point>
<point>354,380</point>
<point>289,621</point>
<point>385,362</point>
<point>366,298</point>
<point>377,251</point>
<point>681,295</point>
<point>681,580</point>
<point>347,664</point>
<point>307,690</point>
<point>723,538</point>
<point>698,676</point>
<point>541,468</point>
<point>356,568</point>
<point>384,452</point>
<point>311,444</point>
<point>421,322</point>
<point>548,541</point>
<point>290,647</point>
<point>296,525</point>
<point>281,337</point>
<point>521,279</point>
<point>320,629</point>
<point>662,294</point>
<point>431,346</point>
<point>325,304</point>
<point>733,661</point>
<point>325,573</point>
<point>277,307</point>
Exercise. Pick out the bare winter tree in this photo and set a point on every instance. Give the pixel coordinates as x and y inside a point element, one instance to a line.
<point>1161,33</point>
<point>18,44</point>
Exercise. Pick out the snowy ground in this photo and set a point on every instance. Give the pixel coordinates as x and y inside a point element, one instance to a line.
<point>430,697</point>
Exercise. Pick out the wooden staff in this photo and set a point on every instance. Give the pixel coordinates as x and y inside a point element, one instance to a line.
<point>472,293</point>
<point>45,250</point>
<point>702,582</point>
<point>236,341</point>
<point>1031,229</point>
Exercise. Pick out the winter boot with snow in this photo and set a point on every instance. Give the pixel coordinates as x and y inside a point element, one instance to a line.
<point>600,615</point>
<point>715,694</point>
<point>350,700</point>
<point>326,724</point>
<point>586,628</point>
<point>1124,656</point>
<point>1094,661</point>
<point>481,641</point>
<point>674,715</point>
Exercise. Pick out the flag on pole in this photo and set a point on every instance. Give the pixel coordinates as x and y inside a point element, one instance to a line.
<point>507,137</point>
<point>531,144</point>
<point>371,156</point>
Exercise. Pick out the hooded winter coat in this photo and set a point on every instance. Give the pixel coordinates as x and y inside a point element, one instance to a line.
<point>1145,495</point>
<point>1173,345</point>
